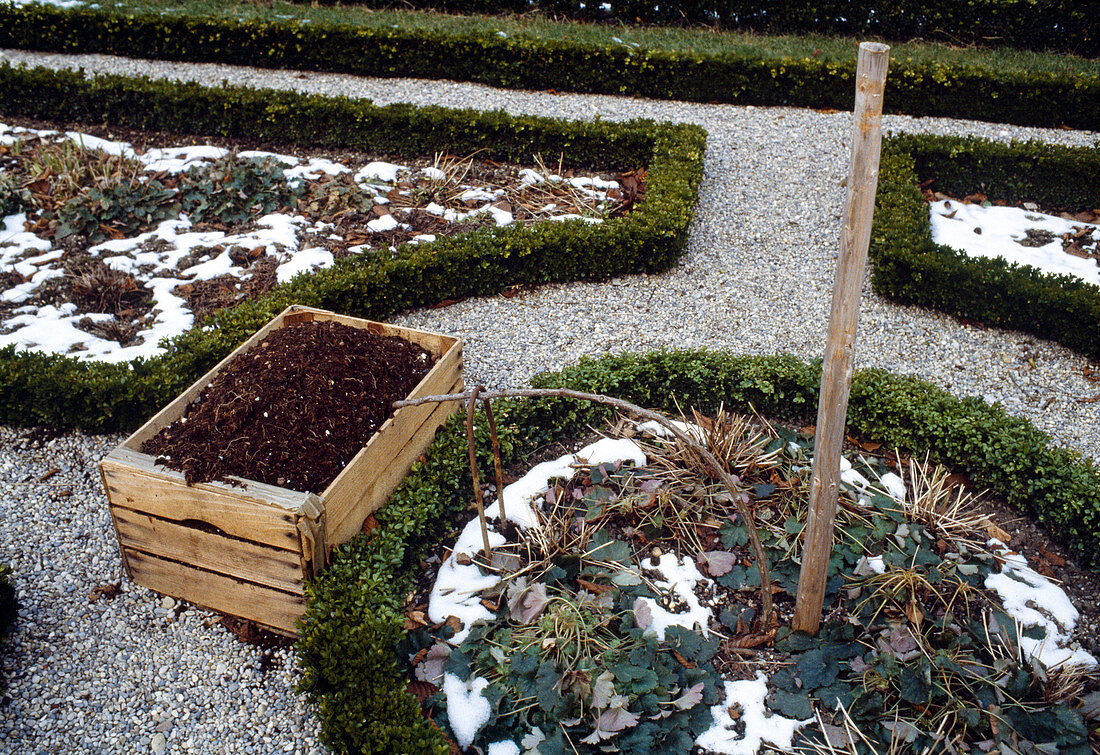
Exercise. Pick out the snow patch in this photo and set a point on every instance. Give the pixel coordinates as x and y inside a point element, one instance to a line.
<point>979,231</point>
<point>681,576</point>
<point>759,727</point>
<point>1035,601</point>
<point>467,708</point>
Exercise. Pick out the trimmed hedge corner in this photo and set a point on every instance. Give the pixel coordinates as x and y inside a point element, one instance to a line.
<point>63,392</point>
<point>915,88</point>
<point>353,620</point>
<point>908,267</point>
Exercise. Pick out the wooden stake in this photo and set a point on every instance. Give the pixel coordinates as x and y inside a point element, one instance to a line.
<point>836,375</point>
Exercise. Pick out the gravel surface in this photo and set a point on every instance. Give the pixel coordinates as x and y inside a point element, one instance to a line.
<point>756,278</point>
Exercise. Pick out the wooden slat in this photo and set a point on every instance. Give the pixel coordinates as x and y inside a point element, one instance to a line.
<point>311,532</point>
<point>233,512</point>
<point>281,569</point>
<point>273,608</point>
<point>370,486</point>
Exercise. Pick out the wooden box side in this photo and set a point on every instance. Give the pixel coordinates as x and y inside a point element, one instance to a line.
<point>248,510</point>
<point>275,609</point>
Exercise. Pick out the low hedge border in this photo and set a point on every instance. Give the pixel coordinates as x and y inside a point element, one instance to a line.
<point>928,89</point>
<point>353,618</point>
<point>63,392</point>
<point>908,267</point>
<point>1026,24</point>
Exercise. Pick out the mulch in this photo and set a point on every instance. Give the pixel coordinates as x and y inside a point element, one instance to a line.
<point>295,409</point>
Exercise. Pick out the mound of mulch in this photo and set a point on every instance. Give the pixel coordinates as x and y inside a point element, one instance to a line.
<point>294,409</point>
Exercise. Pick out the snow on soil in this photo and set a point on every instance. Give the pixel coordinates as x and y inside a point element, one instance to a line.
<point>153,258</point>
<point>1035,601</point>
<point>681,576</point>
<point>980,231</point>
<point>759,726</point>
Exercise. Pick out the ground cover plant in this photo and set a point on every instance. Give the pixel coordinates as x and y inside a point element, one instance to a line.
<point>613,603</point>
<point>110,250</point>
<point>342,622</point>
<point>1037,288</point>
<point>1002,84</point>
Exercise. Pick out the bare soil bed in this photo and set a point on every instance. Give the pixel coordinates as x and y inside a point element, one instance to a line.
<point>293,411</point>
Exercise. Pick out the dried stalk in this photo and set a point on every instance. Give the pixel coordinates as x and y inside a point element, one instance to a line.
<point>716,467</point>
<point>486,405</point>
<point>471,404</point>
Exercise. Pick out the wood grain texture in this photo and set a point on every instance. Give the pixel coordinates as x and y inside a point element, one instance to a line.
<point>836,375</point>
<point>242,513</point>
<point>273,608</point>
<point>212,551</point>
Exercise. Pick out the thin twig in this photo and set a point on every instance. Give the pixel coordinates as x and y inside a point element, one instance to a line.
<point>486,405</point>
<point>625,406</point>
<point>471,404</point>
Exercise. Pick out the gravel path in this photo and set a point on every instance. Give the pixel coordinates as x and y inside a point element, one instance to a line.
<point>105,676</point>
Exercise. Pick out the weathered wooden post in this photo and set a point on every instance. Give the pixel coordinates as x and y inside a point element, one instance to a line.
<point>836,375</point>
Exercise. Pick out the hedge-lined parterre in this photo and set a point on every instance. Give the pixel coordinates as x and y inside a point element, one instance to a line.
<point>908,267</point>
<point>63,392</point>
<point>928,88</point>
<point>354,620</point>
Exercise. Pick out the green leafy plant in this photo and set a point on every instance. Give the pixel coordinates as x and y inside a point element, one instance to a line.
<point>231,190</point>
<point>14,196</point>
<point>112,210</point>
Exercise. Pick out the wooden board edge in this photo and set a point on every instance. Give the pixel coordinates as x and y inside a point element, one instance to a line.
<point>228,595</point>
<point>258,493</point>
<point>312,526</point>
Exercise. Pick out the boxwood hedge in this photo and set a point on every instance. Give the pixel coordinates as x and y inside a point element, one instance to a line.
<point>908,267</point>
<point>63,392</point>
<point>353,619</point>
<point>1025,24</point>
<point>914,88</point>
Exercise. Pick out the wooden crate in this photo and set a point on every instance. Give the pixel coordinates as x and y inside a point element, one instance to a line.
<point>244,548</point>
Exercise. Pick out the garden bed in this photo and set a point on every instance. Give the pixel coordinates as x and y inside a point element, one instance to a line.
<point>109,249</point>
<point>66,392</point>
<point>992,450</point>
<point>1057,297</point>
<point>620,607</point>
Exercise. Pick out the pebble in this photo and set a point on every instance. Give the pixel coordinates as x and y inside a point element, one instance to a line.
<point>756,279</point>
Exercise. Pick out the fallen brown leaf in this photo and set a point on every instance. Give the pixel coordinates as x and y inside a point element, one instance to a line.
<point>682,660</point>
<point>108,591</point>
<point>593,587</point>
